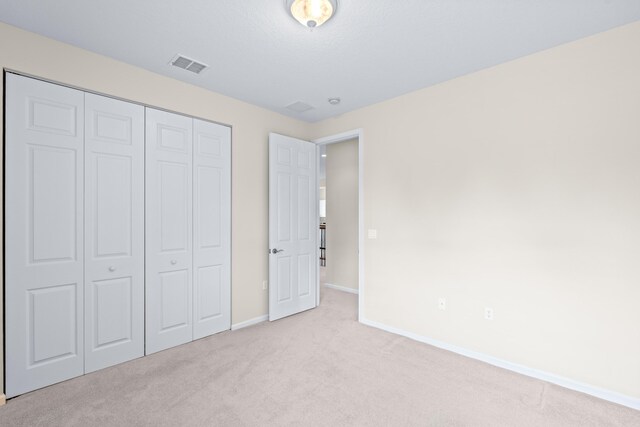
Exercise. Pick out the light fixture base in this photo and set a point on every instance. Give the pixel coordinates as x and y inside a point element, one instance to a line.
<point>311,13</point>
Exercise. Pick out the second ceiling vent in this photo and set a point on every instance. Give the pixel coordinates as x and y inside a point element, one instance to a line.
<point>188,64</point>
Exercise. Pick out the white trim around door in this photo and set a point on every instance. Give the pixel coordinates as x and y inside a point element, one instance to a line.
<point>341,137</point>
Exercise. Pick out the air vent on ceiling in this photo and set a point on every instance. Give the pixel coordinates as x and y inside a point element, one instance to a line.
<point>188,64</point>
<point>299,107</point>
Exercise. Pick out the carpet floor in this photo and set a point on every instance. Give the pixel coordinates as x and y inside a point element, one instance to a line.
<point>321,368</point>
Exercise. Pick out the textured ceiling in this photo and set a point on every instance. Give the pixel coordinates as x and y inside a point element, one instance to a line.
<point>370,51</point>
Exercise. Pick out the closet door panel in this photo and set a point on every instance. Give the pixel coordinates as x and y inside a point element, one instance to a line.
<point>44,234</point>
<point>169,230</point>
<point>212,228</point>
<point>114,231</point>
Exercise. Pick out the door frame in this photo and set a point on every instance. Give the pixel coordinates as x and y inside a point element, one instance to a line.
<point>333,139</point>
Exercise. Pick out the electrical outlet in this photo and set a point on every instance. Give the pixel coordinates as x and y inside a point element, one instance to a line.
<point>442,303</point>
<point>372,234</point>
<point>265,285</point>
<point>488,313</point>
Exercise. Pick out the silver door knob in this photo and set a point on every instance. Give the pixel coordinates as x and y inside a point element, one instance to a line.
<point>112,268</point>
<point>174,262</point>
<point>275,251</point>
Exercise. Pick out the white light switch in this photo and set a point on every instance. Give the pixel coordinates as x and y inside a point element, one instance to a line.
<point>372,234</point>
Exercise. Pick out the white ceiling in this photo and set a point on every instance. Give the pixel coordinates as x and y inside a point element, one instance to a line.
<point>370,51</point>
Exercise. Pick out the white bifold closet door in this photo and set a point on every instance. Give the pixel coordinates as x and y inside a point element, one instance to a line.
<point>80,223</point>
<point>114,232</point>
<point>188,229</point>
<point>75,233</point>
<point>169,230</point>
<point>211,228</point>
<point>44,234</point>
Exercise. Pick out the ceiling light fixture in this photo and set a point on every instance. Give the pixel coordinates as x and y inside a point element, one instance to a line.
<point>334,101</point>
<point>312,13</point>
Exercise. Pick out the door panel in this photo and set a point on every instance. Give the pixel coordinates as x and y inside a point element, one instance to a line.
<point>305,219</point>
<point>114,231</point>
<point>52,330</point>
<point>169,230</point>
<point>212,228</point>
<point>175,224</point>
<point>208,206</point>
<point>175,293</point>
<point>52,203</point>
<point>113,310</point>
<point>44,234</point>
<point>284,207</point>
<point>305,280</point>
<point>208,294</point>
<point>292,226</point>
<point>284,274</point>
<point>113,195</point>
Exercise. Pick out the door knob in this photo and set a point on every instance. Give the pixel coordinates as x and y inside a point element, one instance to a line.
<point>174,262</point>
<point>112,268</point>
<point>275,251</point>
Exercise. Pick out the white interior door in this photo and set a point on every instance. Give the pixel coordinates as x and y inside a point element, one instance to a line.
<point>293,238</point>
<point>114,231</point>
<point>211,228</point>
<point>44,234</point>
<point>169,293</point>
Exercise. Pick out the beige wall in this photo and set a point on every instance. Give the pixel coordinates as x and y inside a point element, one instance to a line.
<point>29,53</point>
<point>342,214</point>
<point>515,188</point>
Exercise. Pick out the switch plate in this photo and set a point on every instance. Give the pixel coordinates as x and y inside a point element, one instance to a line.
<point>488,313</point>
<point>442,303</point>
<point>372,234</point>
<point>265,285</point>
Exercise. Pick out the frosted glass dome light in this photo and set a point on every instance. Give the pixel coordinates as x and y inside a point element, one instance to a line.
<point>312,13</point>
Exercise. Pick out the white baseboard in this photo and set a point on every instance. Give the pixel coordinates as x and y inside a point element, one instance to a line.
<point>249,322</point>
<point>609,395</point>
<point>341,288</point>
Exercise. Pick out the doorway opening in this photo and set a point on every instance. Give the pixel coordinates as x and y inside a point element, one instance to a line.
<point>340,214</point>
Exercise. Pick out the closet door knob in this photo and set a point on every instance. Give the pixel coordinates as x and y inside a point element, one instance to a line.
<point>174,262</point>
<point>112,268</point>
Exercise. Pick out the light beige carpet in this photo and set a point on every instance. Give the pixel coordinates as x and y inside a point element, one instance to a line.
<point>320,367</point>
